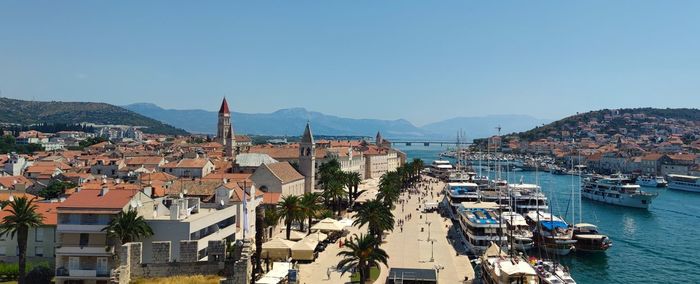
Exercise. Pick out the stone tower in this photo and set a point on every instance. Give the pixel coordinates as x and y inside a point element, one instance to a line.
<point>379,140</point>
<point>307,159</point>
<point>224,133</point>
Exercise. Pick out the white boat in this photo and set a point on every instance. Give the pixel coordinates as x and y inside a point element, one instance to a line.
<point>500,268</point>
<point>481,225</point>
<point>616,190</point>
<point>518,231</point>
<point>683,182</point>
<point>527,197</point>
<point>650,181</point>
<point>551,273</point>
<point>458,192</point>
<point>551,233</point>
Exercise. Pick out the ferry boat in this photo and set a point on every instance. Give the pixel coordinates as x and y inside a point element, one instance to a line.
<point>616,190</point>
<point>518,231</point>
<point>496,267</point>
<point>458,192</point>
<point>650,181</point>
<point>551,233</point>
<point>589,239</point>
<point>481,225</point>
<point>683,182</point>
<point>441,168</point>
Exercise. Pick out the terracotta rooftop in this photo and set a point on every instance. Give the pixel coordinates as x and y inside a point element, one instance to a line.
<point>224,107</point>
<point>90,198</point>
<point>187,163</point>
<point>46,209</point>
<point>284,172</point>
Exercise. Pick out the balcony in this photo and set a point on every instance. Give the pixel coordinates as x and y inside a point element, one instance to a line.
<point>81,273</point>
<point>76,249</point>
<point>80,228</point>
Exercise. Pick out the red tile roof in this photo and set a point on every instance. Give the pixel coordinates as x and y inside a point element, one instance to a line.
<point>284,172</point>
<point>90,198</point>
<point>224,107</point>
<point>46,209</point>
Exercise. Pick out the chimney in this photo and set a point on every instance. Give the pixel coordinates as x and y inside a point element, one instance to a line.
<point>104,190</point>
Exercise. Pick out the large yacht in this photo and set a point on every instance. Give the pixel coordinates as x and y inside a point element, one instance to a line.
<point>551,233</point>
<point>498,267</point>
<point>549,272</point>
<point>617,190</point>
<point>481,225</point>
<point>589,239</point>
<point>651,181</point>
<point>518,231</point>
<point>458,192</point>
<point>441,168</point>
<point>527,197</point>
<point>683,182</point>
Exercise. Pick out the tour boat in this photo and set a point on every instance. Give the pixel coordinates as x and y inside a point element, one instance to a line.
<point>616,190</point>
<point>551,233</point>
<point>527,197</point>
<point>498,267</point>
<point>650,181</point>
<point>589,239</point>
<point>458,192</point>
<point>481,225</point>
<point>518,231</point>
<point>683,182</point>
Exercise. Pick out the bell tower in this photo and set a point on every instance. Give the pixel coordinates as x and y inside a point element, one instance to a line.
<point>224,132</point>
<point>307,159</point>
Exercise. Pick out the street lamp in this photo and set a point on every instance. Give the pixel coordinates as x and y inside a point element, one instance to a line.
<point>432,250</point>
<point>428,223</point>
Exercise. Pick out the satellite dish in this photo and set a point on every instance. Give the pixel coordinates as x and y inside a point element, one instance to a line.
<point>221,202</point>
<point>11,198</point>
<point>182,195</point>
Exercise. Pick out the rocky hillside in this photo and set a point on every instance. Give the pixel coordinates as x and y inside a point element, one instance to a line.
<point>33,112</point>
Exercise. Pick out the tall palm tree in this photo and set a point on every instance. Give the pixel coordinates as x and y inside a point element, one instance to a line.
<point>259,239</point>
<point>389,188</point>
<point>418,165</point>
<point>377,216</point>
<point>23,216</point>
<point>335,193</point>
<point>362,254</point>
<point>328,172</point>
<point>290,208</point>
<point>128,227</point>
<point>353,180</point>
<point>311,205</point>
<point>271,219</point>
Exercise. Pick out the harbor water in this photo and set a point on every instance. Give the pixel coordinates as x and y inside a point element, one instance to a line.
<point>658,245</point>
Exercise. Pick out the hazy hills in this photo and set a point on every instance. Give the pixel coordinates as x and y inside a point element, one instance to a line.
<point>291,122</point>
<point>33,112</point>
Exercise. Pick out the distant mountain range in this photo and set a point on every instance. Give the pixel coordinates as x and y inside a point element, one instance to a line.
<point>291,122</point>
<point>35,112</point>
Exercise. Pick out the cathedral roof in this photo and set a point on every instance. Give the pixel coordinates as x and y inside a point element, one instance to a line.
<point>224,107</point>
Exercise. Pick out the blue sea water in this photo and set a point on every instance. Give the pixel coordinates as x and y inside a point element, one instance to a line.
<point>658,245</point>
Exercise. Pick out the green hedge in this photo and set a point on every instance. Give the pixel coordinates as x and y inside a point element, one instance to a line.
<point>10,271</point>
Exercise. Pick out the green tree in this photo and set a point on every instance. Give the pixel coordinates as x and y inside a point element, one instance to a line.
<point>389,188</point>
<point>361,254</point>
<point>290,208</point>
<point>55,189</point>
<point>352,180</point>
<point>335,192</point>
<point>377,216</point>
<point>128,227</point>
<point>22,217</point>
<point>271,219</point>
<point>311,206</point>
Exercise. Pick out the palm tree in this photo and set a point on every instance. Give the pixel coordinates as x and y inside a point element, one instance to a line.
<point>259,238</point>
<point>389,188</point>
<point>335,192</point>
<point>377,216</point>
<point>290,208</point>
<point>22,216</point>
<point>328,172</point>
<point>362,254</point>
<point>271,219</point>
<point>353,179</point>
<point>418,165</point>
<point>128,227</point>
<point>311,205</point>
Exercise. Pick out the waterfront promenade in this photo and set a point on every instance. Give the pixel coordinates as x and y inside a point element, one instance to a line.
<point>409,248</point>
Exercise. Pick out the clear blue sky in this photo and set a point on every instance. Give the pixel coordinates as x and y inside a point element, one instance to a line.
<point>419,60</point>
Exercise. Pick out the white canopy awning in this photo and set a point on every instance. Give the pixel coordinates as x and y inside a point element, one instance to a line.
<point>328,224</point>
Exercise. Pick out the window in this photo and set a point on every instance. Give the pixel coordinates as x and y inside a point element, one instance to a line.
<point>39,251</point>
<point>39,234</point>
<point>84,239</point>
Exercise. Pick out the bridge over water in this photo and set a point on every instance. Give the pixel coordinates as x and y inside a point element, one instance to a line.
<point>428,142</point>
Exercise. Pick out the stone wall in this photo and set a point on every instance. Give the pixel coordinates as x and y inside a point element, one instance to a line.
<point>161,252</point>
<point>188,251</point>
